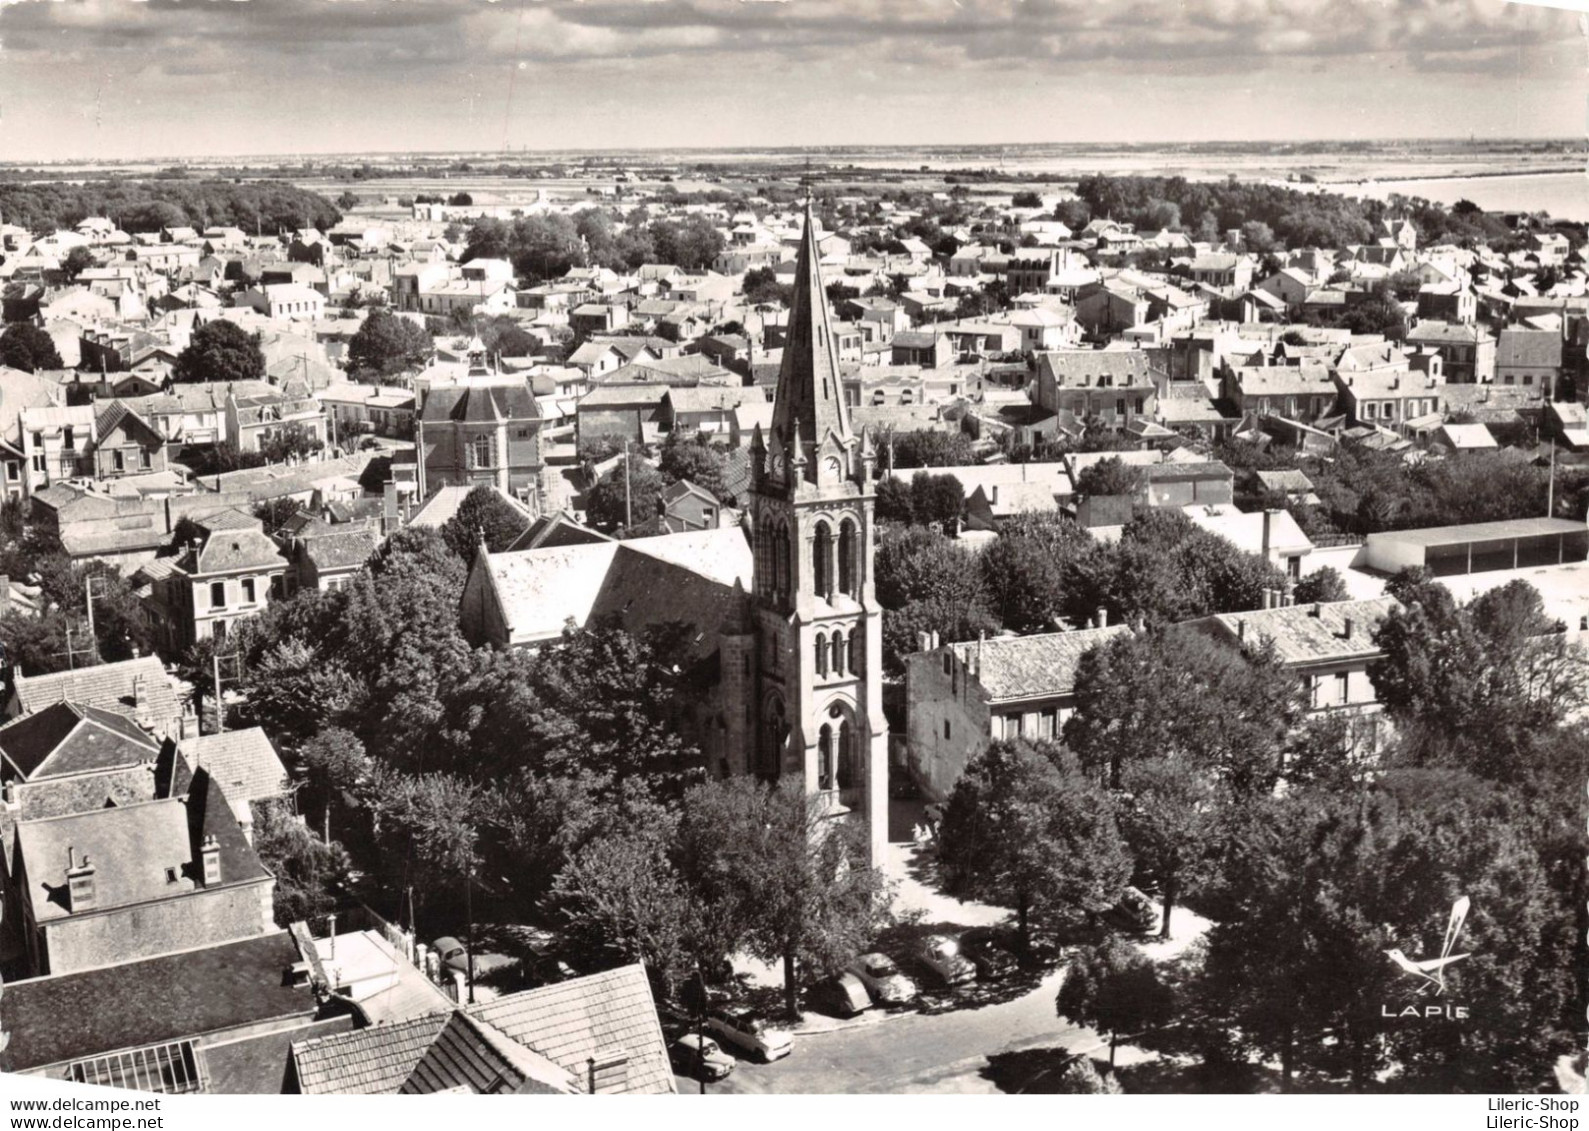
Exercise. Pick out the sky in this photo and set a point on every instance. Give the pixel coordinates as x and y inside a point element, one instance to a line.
<point>135,79</point>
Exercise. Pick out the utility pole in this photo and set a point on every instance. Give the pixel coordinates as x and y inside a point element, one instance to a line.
<point>628,515</point>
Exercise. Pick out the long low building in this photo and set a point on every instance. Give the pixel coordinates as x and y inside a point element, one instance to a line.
<point>1480,546</point>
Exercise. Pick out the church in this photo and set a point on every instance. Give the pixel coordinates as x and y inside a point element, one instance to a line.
<point>784,609</point>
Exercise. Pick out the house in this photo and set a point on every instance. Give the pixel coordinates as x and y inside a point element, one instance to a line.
<point>929,349</point>
<point>210,1019</point>
<point>1303,392</point>
<point>133,881</point>
<point>1271,534</point>
<point>329,556</point>
<point>632,412</point>
<point>481,430</point>
<point>1290,285</point>
<point>57,442</point>
<point>705,408</point>
<point>593,318</point>
<point>70,758</point>
<point>246,766</point>
<point>1222,271</point>
<point>960,697</point>
<point>1116,386</point>
<point>1047,328</point>
<point>226,574</point>
<point>137,689</point>
<point>1466,437</point>
<point>125,443</point>
<point>1391,398</point>
<point>1467,351</point>
<point>1529,358</point>
<point>251,421</point>
<point>1328,647</point>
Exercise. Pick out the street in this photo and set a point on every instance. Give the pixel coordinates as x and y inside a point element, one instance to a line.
<point>963,1051</point>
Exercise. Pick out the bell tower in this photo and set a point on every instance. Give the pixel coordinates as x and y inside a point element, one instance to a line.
<point>818,693</point>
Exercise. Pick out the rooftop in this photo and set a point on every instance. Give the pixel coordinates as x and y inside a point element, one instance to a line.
<point>1310,634</point>
<point>1029,667</point>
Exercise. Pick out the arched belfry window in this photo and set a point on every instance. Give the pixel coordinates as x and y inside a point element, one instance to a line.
<point>822,561</point>
<point>822,654</point>
<point>849,581</point>
<point>846,759</point>
<point>838,653</point>
<point>775,731</point>
<point>781,561</point>
<point>854,659</point>
<point>825,757</point>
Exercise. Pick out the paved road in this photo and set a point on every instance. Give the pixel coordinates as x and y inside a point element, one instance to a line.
<point>919,1052</point>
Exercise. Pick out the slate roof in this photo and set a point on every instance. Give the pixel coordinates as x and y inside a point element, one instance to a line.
<point>66,738</point>
<point>602,1014</point>
<point>244,763</point>
<point>714,398</point>
<point>1076,369</point>
<point>153,1000</point>
<point>1306,379</point>
<point>131,846</point>
<point>479,403</point>
<point>109,686</point>
<point>1528,349</point>
<point>1311,634</point>
<point>235,548</point>
<point>1029,667</point>
<point>366,1062</point>
<point>556,529</point>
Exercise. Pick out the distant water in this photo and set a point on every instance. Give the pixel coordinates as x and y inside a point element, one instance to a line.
<point>1564,195</point>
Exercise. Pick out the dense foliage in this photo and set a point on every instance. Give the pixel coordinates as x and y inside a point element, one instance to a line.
<point>268,207</point>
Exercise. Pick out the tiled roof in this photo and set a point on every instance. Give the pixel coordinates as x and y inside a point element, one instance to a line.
<point>154,1000</point>
<point>340,549</point>
<point>556,529</point>
<point>1025,667</point>
<point>234,548</point>
<point>365,1062</point>
<point>1082,368</point>
<point>1536,349</point>
<point>596,1016</point>
<point>66,738</point>
<point>113,687</point>
<point>243,761</point>
<point>1306,379</point>
<point>1304,634</point>
<point>471,1054</point>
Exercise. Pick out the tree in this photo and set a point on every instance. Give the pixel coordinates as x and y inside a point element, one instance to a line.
<point>1026,200</point>
<point>430,822</point>
<point>276,513</point>
<point>502,335</point>
<point>1116,989</point>
<point>628,494</point>
<point>334,760</point>
<point>24,346</point>
<point>347,201</point>
<point>928,448</point>
<point>800,887</point>
<point>309,873</point>
<point>937,500</point>
<point>1168,818</point>
<point>761,285</point>
<point>1109,476</point>
<point>698,460</point>
<point>894,501</point>
<point>1321,586</point>
<point>485,514</point>
<point>220,351</point>
<point>1022,833</point>
<point>1080,1078</point>
<point>1032,569</point>
<point>387,344</point>
<point>1175,693</point>
<point>1257,236</point>
<point>78,260</point>
<point>460,200</point>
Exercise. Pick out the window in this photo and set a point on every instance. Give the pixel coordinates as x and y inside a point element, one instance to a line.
<point>1137,406</point>
<point>1528,379</point>
<point>248,591</point>
<point>855,653</point>
<point>822,654</point>
<point>838,653</point>
<point>13,470</point>
<point>38,462</point>
<point>480,450</point>
<point>847,580</point>
<point>1120,406</point>
<point>946,663</point>
<point>1369,410</point>
<point>171,875</point>
<point>946,728</point>
<point>117,462</point>
<point>217,594</point>
<point>68,441</point>
<point>144,460</point>
<point>1341,687</point>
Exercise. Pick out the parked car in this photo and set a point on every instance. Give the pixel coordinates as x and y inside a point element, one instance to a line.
<point>991,951</point>
<point>941,954</point>
<point>453,955</point>
<point>882,979</point>
<point>741,1028</point>
<point>699,1058</point>
<point>1134,912</point>
<point>841,996</point>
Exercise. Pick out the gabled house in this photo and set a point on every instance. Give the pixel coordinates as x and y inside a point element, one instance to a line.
<point>246,766</point>
<point>70,758</point>
<point>226,573</point>
<point>133,881</point>
<point>137,689</point>
<point>1114,385</point>
<point>125,443</point>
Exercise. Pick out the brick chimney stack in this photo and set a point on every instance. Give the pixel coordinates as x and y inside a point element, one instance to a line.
<point>79,882</point>
<point>210,853</point>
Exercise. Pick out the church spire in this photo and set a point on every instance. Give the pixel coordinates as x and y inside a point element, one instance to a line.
<point>809,406</point>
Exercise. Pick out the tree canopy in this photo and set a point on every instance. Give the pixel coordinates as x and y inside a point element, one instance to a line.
<point>386,344</point>
<point>25,346</point>
<point>220,351</point>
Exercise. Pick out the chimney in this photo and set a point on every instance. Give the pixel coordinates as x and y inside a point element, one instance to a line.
<point>141,713</point>
<point>1346,629</point>
<point>1268,529</point>
<point>79,882</point>
<point>210,851</point>
<point>924,642</point>
<point>1103,617</point>
<point>1315,610</point>
<point>1241,631</point>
